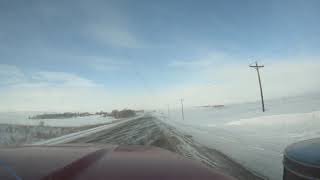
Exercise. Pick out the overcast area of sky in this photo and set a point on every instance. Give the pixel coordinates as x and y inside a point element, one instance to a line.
<point>101,55</point>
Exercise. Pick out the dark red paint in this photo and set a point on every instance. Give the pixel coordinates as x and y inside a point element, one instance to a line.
<point>95,162</point>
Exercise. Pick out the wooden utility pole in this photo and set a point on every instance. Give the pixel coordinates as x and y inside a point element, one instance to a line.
<point>256,66</point>
<point>168,111</point>
<point>181,100</point>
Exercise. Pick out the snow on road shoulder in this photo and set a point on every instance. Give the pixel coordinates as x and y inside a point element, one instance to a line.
<point>254,139</point>
<point>279,120</point>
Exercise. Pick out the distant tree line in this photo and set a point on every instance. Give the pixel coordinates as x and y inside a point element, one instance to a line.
<point>125,113</point>
<point>213,106</point>
<point>60,115</point>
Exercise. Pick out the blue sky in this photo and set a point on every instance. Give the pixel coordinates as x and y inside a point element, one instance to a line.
<point>135,52</point>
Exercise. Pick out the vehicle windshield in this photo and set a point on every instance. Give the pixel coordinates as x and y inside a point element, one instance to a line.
<point>226,83</point>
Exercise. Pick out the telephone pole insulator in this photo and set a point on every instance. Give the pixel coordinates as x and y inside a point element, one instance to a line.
<point>256,66</point>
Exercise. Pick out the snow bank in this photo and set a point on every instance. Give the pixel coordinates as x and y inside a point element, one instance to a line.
<point>254,139</point>
<point>279,121</point>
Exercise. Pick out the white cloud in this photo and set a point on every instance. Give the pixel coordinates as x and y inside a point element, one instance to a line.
<point>52,91</point>
<point>44,97</point>
<point>60,91</point>
<point>228,82</point>
<point>61,78</point>
<point>279,78</point>
<point>223,84</point>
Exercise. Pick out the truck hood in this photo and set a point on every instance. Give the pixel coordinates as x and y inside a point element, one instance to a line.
<point>94,162</point>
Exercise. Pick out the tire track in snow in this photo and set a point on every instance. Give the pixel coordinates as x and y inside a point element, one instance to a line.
<point>148,130</point>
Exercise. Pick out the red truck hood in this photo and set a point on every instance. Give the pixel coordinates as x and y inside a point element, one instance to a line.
<point>94,162</point>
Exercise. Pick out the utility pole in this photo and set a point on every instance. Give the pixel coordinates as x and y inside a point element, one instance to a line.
<point>168,112</point>
<point>181,100</point>
<point>256,66</point>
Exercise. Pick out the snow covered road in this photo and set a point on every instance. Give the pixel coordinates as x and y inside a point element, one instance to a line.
<point>70,137</point>
<point>149,130</point>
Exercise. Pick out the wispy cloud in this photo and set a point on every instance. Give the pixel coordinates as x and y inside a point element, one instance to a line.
<point>190,64</point>
<point>110,26</point>
<point>53,91</point>
<point>235,82</point>
<point>114,35</point>
<point>61,78</point>
<point>10,74</point>
<point>107,64</point>
<point>228,83</point>
<point>201,62</point>
<point>47,97</point>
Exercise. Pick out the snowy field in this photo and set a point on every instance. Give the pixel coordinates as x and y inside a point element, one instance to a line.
<point>22,134</point>
<point>21,118</point>
<point>244,133</point>
<point>17,129</point>
<point>254,139</point>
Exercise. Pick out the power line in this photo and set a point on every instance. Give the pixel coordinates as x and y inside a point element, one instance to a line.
<point>256,66</point>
